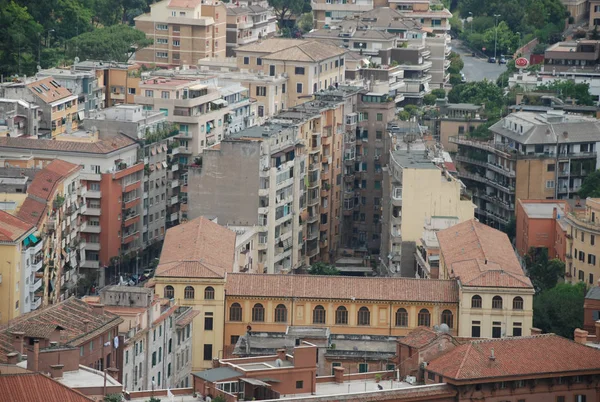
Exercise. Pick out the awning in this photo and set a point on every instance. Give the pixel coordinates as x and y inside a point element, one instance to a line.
<point>32,238</point>
<point>158,165</point>
<point>211,124</point>
<point>164,146</point>
<point>220,102</point>
<point>153,151</point>
<point>81,115</point>
<point>26,241</point>
<point>164,164</point>
<point>255,381</point>
<point>159,149</point>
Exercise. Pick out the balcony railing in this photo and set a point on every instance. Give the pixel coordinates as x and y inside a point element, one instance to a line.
<point>482,179</point>
<point>583,222</point>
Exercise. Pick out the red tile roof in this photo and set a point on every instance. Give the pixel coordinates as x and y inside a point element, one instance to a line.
<point>68,315</point>
<point>99,147</point>
<point>342,287</point>
<point>12,228</point>
<point>420,337</point>
<point>199,248</point>
<point>36,387</point>
<point>479,255</point>
<point>49,90</point>
<point>547,354</point>
<point>32,210</point>
<point>62,168</point>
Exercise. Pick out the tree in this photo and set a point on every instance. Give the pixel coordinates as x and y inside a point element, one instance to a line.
<point>569,89</point>
<point>117,43</point>
<point>305,22</point>
<point>506,39</point>
<point>285,9</point>
<point>320,268</point>
<point>590,186</point>
<point>429,99</point>
<point>456,63</point>
<point>560,310</point>
<point>439,93</point>
<point>403,115</point>
<point>544,273</point>
<point>113,398</point>
<point>20,41</point>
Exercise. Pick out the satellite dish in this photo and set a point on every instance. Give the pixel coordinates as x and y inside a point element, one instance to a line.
<point>444,328</point>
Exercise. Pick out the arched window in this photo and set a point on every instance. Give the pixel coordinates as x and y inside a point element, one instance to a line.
<point>364,316</point>
<point>401,318</point>
<point>188,293</point>
<point>497,302</point>
<point>448,318</point>
<point>280,313</point>
<point>258,313</point>
<point>209,293</point>
<point>518,303</point>
<point>476,301</point>
<point>169,292</point>
<point>424,318</point>
<point>341,315</point>
<point>235,312</point>
<point>319,315</point>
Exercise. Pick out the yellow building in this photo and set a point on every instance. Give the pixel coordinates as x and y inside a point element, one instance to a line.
<point>58,105</point>
<point>195,260</point>
<point>583,228</point>
<point>495,296</point>
<point>13,253</point>
<point>345,305</point>
<point>309,65</point>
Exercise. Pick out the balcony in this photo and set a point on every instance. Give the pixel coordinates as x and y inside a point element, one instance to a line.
<point>312,235</point>
<point>174,216</point>
<point>36,285</point>
<point>90,264</point>
<point>485,180</point>
<point>182,150</point>
<point>130,237</point>
<point>90,246</point>
<point>491,166</point>
<point>174,183</point>
<point>93,194</point>
<point>174,200</point>
<point>89,211</point>
<point>175,167</point>
<point>489,146</point>
<point>495,200</point>
<point>36,302</point>
<point>87,228</point>
<point>38,265</point>
<point>313,251</point>
<point>89,176</point>
<point>337,5</point>
<point>82,191</point>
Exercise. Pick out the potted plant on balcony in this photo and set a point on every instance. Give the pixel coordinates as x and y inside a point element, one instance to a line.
<point>378,377</point>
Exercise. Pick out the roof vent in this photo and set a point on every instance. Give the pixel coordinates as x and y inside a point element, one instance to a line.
<point>492,356</point>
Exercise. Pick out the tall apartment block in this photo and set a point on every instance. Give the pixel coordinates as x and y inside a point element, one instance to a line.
<point>530,156</point>
<point>183,31</point>
<point>248,24</point>
<point>258,177</point>
<point>118,82</point>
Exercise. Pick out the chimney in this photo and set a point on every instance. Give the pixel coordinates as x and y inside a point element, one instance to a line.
<point>597,327</point>
<point>580,336</point>
<point>86,325</point>
<point>338,373</point>
<point>492,356</point>
<point>36,355</point>
<point>98,309</point>
<point>536,331</point>
<point>554,213</point>
<point>281,354</point>
<point>56,371</point>
<point>18,341</point>
<point>13,358</point>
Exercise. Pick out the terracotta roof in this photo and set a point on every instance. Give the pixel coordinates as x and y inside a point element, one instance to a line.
<point>185,3</point>
<point>62,168</point>
<point>12,228</point>
<point>199,248</point>
<point>521,356</point>
<point>36,387</point>
<point>342,287</point>
<point>186,318</point>
<point>99,147</point>
<point>309,51</point>
<point>479,255</point>
<point>68,315</point>
<point>420,337</point>
<point>270,45</point>
<point>49,90</point>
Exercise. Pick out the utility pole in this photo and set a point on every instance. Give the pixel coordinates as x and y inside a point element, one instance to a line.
<point>471,14</point>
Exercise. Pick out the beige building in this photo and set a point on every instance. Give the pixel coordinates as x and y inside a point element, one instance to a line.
<point>309,65</point>
<point>594,9</point>
<point>248,24</point>
<point>578,9</point>
<point>454,119</point>
<point>495,296</point>
<point>432,14</point>
<point>582,228</point>
<point>183,31</point>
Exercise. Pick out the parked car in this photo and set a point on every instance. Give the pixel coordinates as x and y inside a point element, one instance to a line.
<point>492,60</point>
<point>462,77</point>
<point>502,60</point>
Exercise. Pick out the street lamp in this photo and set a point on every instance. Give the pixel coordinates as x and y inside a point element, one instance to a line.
<point>496,34</point>
<point>471,14</point>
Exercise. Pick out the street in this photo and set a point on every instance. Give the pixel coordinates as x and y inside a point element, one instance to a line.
<point>476,68</point>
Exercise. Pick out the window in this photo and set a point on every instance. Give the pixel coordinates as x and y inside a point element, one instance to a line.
<point>188,293</point>
<point>209,293</point>
<point>517,330</point>
<point>496,329</point>
<point>379,116</point>
<point>497,302</point>
<point>280,313</point>
<point>591,259</point>
<point>560,399</point>
<point>162,27</point>
<point>319,315</point>
<point>364,316</point>
<point>170,347</point>
<point>549,183</point>
<point>160,354</point>
<point>131,91</point>
<point>378,136</point>
<point>592,238</point>
<point>246,60</point>
<point>476,301</point>
<point>580,398</point>
<point>282,88</point>
<point>299,88</point>
<point>299,384</point>
<point>208,355</point>
<point>299,71</point>
<point>153,359</point>
<point>162,55</point>
<point>431,376</point>
<point>551,167</point>
<point>334,365</point>
<point>518,303</point>
<point>591,279</point>
<point>235,312</point>
<point>169,292</point>
<point>363,368</point>
<point>341,316</point>
<point>258,313</point>
<point>149,94</point>
<point>261,91</point>
<point>176,43</point>
<point>233,339</point>
<point>581,275</point>
<point>424,318</point>
<point>476,329</point>
<point>448,318</point>
<point>208,322</point>
<point>258,61</point>
<point>401,318</point>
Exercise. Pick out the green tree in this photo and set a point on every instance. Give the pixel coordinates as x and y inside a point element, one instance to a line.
<point>429,99</point>
<point>320,268</point>
<point>439,93</point>
<point>20,39</point>
<point>305,22</point>
<point>455,79</point>
<point>507,39</point>
<point>560,310</point>
<point>544,273</point>
<point>456,63</point>
<point>403,115</point>
<point>117,43</point>
<point>285,9</point>
<point>590,186</point>
<point>480,93</point>
<point>569,89</point>
<point>113,398</point>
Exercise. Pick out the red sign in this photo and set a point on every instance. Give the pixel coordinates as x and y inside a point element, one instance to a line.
<point>521,62</point>
<point>483,49</point>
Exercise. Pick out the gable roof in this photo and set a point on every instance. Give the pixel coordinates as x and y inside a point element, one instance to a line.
<point>520,356</point>
<point>33,387</point>
<point>68,315</point>
<point>12,228</point>
<point>307,50</point>
<point>420,337</point>
<point>99,147</point>
<point>32,210</point>
<point>479,255</point>
<point>342,287</point>
<point>48,90</point>
<point>199,248</point>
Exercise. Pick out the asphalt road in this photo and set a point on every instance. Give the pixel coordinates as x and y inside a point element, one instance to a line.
<point>476,68</point>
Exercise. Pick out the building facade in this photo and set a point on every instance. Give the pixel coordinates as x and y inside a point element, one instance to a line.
<point>582,228</point>
<point>248,24</point>
<point>538,226</point>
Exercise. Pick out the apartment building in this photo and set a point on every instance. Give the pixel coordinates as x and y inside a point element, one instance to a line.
<point>454,119</point>
<point>330,12</point>
<point>578,9</point>
<point>594,13</point>
<point>539,226</point>
<point>259,177</point>
<point>496,297</point>
<point>195,260</point>
<point>57,105</point>
<point>309,65</point>
<point>248,24</point>
<point>432,14</point>
<point>84,84</point>
<point>118,82</point>
<point>19,118</point>
<point>522,162</point>
<point>582,227</point>
<point>427,255</point>
<point>182,32</point>
<point>242,108</point>
<point>357,37</point>
<point>582,54</point>
<point>155,336</point>
<point>416,189</point>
